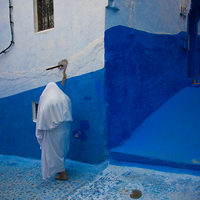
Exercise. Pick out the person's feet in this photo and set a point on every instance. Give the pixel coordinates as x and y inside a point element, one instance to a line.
<point>61,176</point>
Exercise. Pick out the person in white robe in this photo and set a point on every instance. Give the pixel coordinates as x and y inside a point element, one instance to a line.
<point>53,130</point>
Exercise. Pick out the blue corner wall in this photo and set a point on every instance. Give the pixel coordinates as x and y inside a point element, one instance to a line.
<point>88,139</point>
<point>142,71</point>
<point>170,136</point>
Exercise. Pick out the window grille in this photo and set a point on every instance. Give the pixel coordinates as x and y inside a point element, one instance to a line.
<point>45,14</point>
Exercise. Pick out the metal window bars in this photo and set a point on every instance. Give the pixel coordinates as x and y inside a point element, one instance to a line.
<point>45,14</point>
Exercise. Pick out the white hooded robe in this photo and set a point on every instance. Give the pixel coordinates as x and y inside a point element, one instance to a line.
<point>53,129</point>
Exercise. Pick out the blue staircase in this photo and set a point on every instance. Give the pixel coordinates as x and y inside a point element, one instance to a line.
<point>168,137</point>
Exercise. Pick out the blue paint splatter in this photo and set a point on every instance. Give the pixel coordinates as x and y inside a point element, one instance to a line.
<point>80,134</point>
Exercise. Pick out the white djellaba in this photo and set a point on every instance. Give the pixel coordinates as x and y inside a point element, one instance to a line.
<point>53,129</point>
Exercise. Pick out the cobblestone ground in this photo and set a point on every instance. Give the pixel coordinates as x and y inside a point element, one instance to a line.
<point>21,179</point>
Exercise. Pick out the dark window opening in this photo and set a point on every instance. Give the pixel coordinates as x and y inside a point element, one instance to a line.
<point>45,14</point>
<point>34,110</point>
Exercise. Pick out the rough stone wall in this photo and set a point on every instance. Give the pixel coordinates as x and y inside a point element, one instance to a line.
<point>142,71</point>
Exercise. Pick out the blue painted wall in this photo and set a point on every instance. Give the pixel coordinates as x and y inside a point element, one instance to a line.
<point>86,93</point>
<point>170,136</point>
<point>142,71</point>
<point>17,129</point>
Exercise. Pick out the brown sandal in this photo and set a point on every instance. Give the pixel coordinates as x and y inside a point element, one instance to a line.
<point>61,178</point>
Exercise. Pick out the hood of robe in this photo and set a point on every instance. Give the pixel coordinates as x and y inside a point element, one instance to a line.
<point>54,108</point>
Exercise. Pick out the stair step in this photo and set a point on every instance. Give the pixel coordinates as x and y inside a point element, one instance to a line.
<point>169,137</point>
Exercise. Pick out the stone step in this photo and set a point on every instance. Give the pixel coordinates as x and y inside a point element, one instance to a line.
<point>170,136</point>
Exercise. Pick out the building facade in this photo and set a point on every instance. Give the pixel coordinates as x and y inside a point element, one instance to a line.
<point>126,59</point>
<point>77,34</point>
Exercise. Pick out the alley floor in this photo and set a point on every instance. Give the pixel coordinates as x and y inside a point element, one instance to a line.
<point>21,179</point>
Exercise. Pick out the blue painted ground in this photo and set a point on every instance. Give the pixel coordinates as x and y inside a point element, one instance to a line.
<point>21,179</point>
<point>170,136</point>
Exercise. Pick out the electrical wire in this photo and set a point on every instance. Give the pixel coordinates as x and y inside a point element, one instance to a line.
<point>11,30</point>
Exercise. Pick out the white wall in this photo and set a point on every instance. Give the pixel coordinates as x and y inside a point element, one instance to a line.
<point>154,16</point>
<point>78,35</point>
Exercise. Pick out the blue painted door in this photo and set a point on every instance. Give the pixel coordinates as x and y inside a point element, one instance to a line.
<point>193,69</point>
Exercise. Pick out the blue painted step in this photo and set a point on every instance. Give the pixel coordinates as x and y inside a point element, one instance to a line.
<point>169,137</point>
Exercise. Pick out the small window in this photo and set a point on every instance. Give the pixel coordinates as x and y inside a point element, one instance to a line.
<point>34,110</point>
<point>44,15</point>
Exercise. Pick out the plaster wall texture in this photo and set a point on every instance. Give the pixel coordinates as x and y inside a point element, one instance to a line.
<point>77,35</point>
<point>142,71</point>
<point>154,16</point>
<point>17,129</point>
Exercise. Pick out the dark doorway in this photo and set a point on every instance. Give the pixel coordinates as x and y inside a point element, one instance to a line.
<point>193,70</point>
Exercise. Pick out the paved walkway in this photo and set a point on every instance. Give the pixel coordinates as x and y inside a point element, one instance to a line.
<point>21,179</point>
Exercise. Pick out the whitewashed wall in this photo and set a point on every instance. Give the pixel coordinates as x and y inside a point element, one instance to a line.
<point>155,16</point>
<point>78,35</point>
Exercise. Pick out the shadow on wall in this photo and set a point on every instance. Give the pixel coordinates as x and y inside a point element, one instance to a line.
<point>142,71</point>
<point>17,129</point>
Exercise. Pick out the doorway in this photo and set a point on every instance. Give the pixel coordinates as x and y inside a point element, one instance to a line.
<point>193,70</point>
